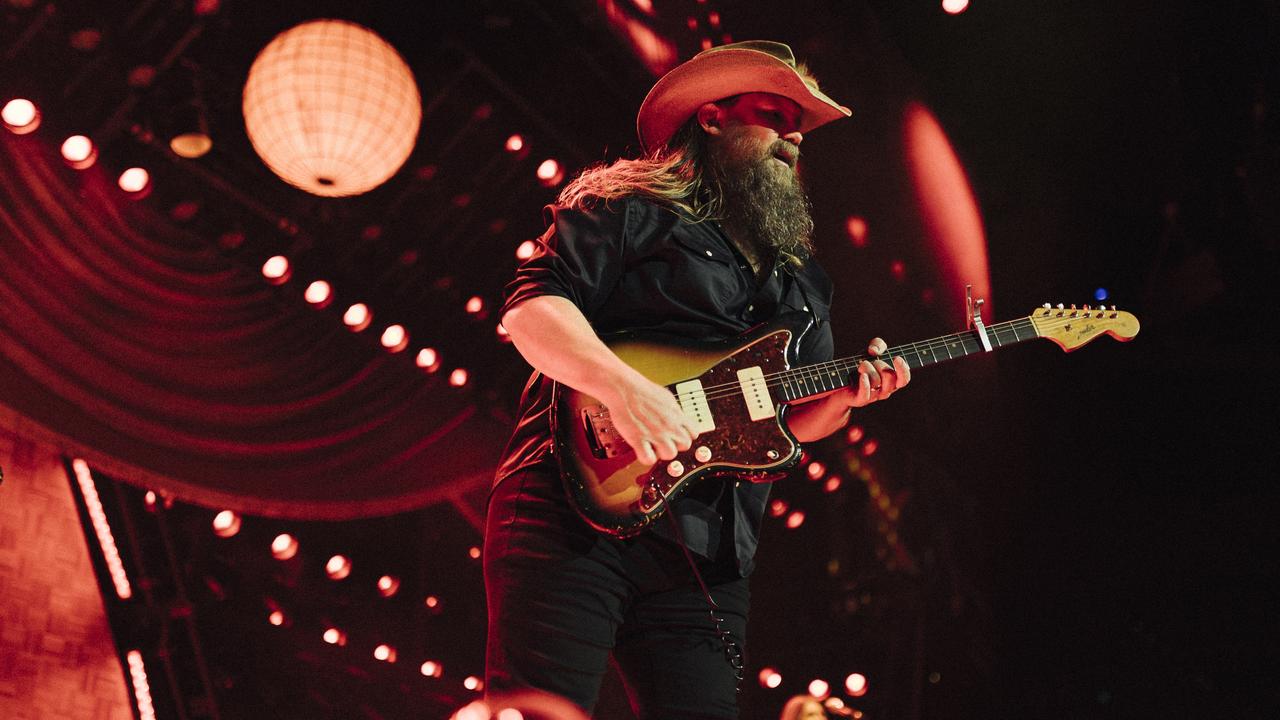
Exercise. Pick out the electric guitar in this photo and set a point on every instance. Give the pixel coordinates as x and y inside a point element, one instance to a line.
<point>737,393</point>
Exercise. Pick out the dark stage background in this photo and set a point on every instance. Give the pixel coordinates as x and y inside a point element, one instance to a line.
<point>1033,534</point>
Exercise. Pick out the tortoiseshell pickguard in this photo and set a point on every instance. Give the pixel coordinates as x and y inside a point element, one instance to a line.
<point>620,496</point>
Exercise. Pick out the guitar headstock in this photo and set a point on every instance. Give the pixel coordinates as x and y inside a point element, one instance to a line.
<point>1071,328</point>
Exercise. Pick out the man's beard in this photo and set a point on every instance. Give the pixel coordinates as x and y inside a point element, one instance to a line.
<point>763,202</point>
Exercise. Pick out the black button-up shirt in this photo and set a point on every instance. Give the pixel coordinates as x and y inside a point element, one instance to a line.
<point>634,265</point>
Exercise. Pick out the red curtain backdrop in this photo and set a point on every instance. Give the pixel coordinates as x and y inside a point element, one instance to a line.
<point>130,340</point>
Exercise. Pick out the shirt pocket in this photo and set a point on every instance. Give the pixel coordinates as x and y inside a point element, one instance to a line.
<point>706,271</point>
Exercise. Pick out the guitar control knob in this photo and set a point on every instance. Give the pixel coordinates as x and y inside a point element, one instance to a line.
<point>771,454</point>
<point>675,468</point>
<point>703,453</point>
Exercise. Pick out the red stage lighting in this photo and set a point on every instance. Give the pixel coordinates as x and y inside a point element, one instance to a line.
<point>141,688</point>
<point>899,270</point>
<point>334,636</point>
<point>135,181</point>
<point>277,270</point>
<point>357,317</point>
<point>458,377</point>
<point>388,585</point>
<point>819,688</point>
<point>778,507</point>
<point>795,519</point>
<point>856,684</point>
<point>79,152</point>
<point>284,546</point>
<point>102,529</point>
<point>526,250</point>
<point>474,552</point>
<point>318,293</point>
<point>226,524</point>
<point>276,618</point>
<point>428,359</point>
<point>385,653</point>
<point>475,304</point>
<point>395,338</point>
<point>816,470</point>
<point>955,7</point>
<point>833,484</point>
<point>433,669</point>
<point>770,678</point>
<point>21,116</point>
<point>855,433</point>
<point>473,683</point>
<point>515,143</point>
<point>857,229</point>
<point>338,567</point>
<point>550,173</point>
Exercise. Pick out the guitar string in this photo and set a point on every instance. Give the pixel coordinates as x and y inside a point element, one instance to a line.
<point>811,371</point>
<point>773,380</point>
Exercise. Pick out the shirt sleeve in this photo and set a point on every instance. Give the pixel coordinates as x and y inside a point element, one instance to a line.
<point>579,257</point>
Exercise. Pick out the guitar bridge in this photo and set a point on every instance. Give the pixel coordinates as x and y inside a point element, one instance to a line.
<point>602,436</point>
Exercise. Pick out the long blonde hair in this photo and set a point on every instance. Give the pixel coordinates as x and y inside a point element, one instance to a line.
<point>674,175</point>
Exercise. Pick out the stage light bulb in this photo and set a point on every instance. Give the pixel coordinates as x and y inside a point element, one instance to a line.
<point>458,377</point>
<point>526,250</point>
<point>134,180</point>
<point>550,173</point>
<point>388,585</point>
<point>395,338</point>
<point>795,519</point>
<point>226,524</point>
<point>318,293</point>
<point>515,143</point>
<point>21,116</point>
<point>284,546</point>
<point>277,269</point>
<point>856,684</point>
<point>338,567</point>
<point>819,688</point>
<point>357,317</point>
<point>79,152</point>
<point>428,359</point>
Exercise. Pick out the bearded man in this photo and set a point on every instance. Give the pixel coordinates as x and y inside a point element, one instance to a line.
<point>705,236</point>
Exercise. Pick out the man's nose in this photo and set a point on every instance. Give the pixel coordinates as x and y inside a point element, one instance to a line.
<point>794,137</point>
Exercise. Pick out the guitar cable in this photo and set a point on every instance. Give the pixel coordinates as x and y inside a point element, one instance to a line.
<point>732,651</point>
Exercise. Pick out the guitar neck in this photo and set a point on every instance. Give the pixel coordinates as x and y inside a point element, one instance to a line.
<point>822,378</point>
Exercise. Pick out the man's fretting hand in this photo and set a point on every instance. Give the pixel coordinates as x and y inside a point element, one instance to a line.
<point>878,380</point>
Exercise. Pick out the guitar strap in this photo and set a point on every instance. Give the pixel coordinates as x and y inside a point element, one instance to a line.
<point>732,651</point>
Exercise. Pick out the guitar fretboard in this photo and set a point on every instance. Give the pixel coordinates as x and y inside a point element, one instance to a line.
<point>824,377</point>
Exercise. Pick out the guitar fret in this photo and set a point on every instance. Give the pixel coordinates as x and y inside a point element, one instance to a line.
<point>821,378</point>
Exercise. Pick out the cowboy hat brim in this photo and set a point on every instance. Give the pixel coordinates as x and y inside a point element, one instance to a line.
<point>722,73</point>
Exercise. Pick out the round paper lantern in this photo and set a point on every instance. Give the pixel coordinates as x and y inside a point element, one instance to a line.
<point>331,108</point>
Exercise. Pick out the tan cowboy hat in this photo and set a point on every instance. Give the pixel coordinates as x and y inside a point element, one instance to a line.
<point>725,71</point>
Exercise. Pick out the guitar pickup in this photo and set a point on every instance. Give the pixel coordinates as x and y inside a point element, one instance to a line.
<point>602,436</point>
<point>755,392</point>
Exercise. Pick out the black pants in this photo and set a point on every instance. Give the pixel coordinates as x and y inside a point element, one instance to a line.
<point>562,597</point>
